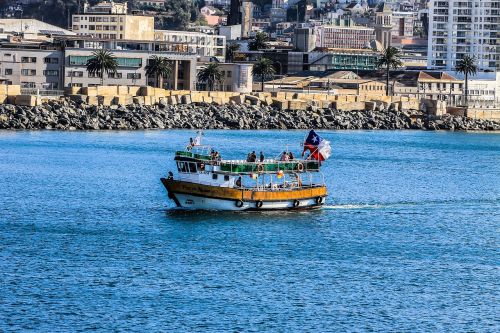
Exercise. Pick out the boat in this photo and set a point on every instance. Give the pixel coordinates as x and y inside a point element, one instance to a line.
<point>205,181</point>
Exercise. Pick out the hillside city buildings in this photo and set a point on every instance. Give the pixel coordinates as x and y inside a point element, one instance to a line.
<point>307,40</point>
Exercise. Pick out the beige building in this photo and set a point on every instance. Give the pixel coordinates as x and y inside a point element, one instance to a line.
<point>204,45</point>
<point>237,78</point>
<point>109,20</point>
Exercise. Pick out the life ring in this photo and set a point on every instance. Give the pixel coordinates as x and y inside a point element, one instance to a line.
<point>258,204</point>
<point>319,200</point>
<point>300,167</point>
<point>260,168</point>
<point>296,203</point>
<point>239,203</point>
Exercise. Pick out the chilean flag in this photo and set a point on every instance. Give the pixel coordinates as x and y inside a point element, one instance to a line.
<point>318,147</point>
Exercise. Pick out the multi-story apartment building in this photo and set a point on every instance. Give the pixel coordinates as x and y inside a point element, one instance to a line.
<point>344,36</point>
<point>37,68</point>
<point>464,27</point>
<point>109,20</point>
<point>132,59</point>
<point>48,66</point>
<point>204,45</point>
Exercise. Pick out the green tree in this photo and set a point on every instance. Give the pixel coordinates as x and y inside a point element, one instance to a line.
<point>467,66</point>
<point>102,61</point>
<point>263,68</point>
<point>160,68</point>
<point>211,75</point>
<point>259,42</point>
<point>390,60</point>
<point>231,50</point>
<point>183,12</point>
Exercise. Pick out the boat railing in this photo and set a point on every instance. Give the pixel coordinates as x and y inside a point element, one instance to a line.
<point>245,167</point>
<point>268,166</point>
<point>279,187</point>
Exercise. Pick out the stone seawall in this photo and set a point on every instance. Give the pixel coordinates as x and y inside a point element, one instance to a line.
<point>67,115</point>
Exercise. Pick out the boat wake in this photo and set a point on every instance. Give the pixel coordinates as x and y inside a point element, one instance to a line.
<point>350,206</point>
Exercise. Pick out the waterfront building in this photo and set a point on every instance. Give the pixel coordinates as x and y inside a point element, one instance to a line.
<point>109,20</point>
<point>47,65</point>
<point>237,77</point>
<point>132,58</point>
<point>32,66</point>
<point>459,28</point>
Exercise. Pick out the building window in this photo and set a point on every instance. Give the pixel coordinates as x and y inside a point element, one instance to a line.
<point>133,76</point>
<point>28,72</point>
<point>115,75</point>
<point>51,60</point>
<point>27,84</point>
<point>75,74</point>
<point>28,59</point>
<point>51,73</point>
<point>8,71</point>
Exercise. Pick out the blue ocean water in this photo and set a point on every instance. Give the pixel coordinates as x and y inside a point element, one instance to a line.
<point>408,240</point>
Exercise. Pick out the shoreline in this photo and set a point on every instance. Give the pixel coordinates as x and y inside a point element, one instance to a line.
<point>66,115</point>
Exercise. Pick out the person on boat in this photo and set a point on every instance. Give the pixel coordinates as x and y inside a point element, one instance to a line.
<point>284,156</point>
<point>290,156</point>
<point>249,157</point>
<point>238,182</point>
<point>217,156</point>
<point>191,144</point>
<point>253,156</point>
<point>261,157</point>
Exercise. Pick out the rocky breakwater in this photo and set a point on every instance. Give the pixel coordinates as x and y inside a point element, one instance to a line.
<point>67,115</point>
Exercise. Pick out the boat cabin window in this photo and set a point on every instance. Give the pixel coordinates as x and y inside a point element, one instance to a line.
<point>226,178</point>
<point>181,166</point>
<point>214,176</point>
<point>192,167</point>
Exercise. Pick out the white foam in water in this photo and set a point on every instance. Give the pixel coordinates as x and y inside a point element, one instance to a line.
<point>348,206</point>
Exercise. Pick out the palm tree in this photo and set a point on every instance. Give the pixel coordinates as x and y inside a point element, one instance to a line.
<point>210,75</point>
<point>259,42</point>
<point>102,61</point>
<point>390,59</point>
<point>160,68</point>
<point>467,66</point>
<point>263,68</point>
<point>231,50</point>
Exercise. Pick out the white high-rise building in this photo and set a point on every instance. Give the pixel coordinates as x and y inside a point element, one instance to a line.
<point>458,28</point>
